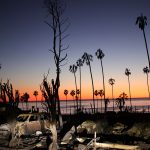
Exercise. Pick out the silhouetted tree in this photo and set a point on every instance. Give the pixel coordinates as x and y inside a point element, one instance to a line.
<point>146,71</point>
<point>128,73</point>
<point>2,92</point>
<point>80,64</point>
<point>78,93</point>
<point>22,101</point>
<point>35,93</point>
<point>142,22</point>
<point>66,93</point>
<point>73,69</point>
<point>17,97</point>
<point>106,102</point>
<point>96,94</point>
<point>100,55</point>
<point>26,97</point>
<point>58,25</point>
<point>87,58</point>
<point>9,92</point>
<point>101,93</point>
<point>120,101</point>
<point>72,93</point>
<point>112,82</point>
<point>48,92</point>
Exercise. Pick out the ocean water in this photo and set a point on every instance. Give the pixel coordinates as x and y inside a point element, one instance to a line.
<point>138,104</point>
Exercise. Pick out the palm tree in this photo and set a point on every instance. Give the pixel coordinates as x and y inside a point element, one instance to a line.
<point>78,92</point>
<point>80,64</point>
<point>146,71</point>
<point>22,101</point>
<point>72,93</point>
<point>66,93</point>
<point>73,69</point>
<point>112,82</point>
<point>120,101</point>
<point>142,22</point>
<point>88,58</point>
<point>26,97</point>
<point>106,102</point>
<point>100,55</point>
<point>35,93</point>
<point>101,93</point>
<point>96,94</point>
<point>128,73</point>
<point>17,97</point>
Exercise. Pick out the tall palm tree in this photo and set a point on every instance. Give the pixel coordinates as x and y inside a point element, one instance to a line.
<point>35,93</point>
<point>146,71</point>
<point>112,82</point>
<point>73,69</point>
<point>66,93</point>
<point>142,22</point>
<point>100,55</point>
<point>87,58</point>
<point>101,93</point>
<point>80,64</point>
<point>128,73</point>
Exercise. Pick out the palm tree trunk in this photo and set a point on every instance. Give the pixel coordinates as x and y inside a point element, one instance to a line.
<point>146,48</point>
<point>101,104</point>
<point>76,90</point>
<point>92,87</point>
<point>129,91</point>
<point>36,103</point>
<point>113,96</point>
<point>80,86</point>
<point>148,86</point>
<point>66,104</point>
<point>103,80</point>
<point>97,104</point>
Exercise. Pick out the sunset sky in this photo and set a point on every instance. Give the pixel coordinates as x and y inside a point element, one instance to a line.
<point>105,24</point>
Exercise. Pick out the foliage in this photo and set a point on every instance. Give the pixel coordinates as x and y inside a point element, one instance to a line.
<point>120,101</point>
<point>141,21</point>
<point>49,93</point>
<point>6,92</point>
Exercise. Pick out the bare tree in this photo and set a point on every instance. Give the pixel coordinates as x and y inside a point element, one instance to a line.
<point>59,25</point>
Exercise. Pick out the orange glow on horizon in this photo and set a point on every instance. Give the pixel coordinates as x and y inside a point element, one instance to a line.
<point>138,90</point>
